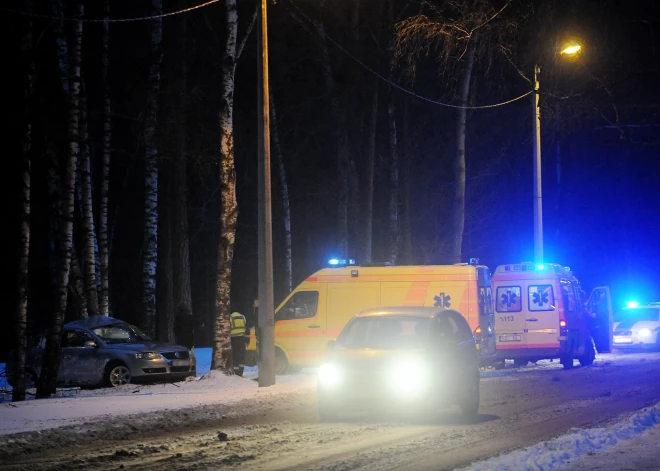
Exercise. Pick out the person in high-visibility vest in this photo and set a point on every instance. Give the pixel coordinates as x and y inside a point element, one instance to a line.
<point>240,338</point>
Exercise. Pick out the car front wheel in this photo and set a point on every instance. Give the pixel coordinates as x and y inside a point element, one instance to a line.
<point>118,375</point>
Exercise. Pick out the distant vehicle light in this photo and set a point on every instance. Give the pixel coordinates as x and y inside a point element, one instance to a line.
<point>644,332</point>
<point>540,267</point>
<point>632,304</point>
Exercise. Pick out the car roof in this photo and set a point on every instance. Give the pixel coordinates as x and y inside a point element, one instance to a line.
<point>401,311</point>
<point>93,322</point>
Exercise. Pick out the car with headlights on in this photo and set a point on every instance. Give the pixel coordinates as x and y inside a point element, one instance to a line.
<point>401,359</point>
<point>637,326</point>
<point>104,351</point>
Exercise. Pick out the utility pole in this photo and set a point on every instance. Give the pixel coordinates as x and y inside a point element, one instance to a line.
<point>266,315</point>
<point>538,196</point>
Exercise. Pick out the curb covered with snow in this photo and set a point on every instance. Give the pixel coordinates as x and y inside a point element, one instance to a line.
<point>560,452</point>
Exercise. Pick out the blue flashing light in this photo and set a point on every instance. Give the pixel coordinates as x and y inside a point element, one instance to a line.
<point>333,261</point>
<point>632,304</point>
<point>351,261</point>
<point>540,267</point>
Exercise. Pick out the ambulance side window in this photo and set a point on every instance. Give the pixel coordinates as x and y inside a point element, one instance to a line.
<point>509,299</point>
<point>540,298</point>
<point>568,296</point>
<point>301,305</point>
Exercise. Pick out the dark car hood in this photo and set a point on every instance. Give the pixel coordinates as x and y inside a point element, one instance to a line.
<point>146,347</point>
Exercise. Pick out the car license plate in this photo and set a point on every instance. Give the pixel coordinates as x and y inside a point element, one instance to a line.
<point>618,339</point>
<point>510,338</point>
<point>180,362</point>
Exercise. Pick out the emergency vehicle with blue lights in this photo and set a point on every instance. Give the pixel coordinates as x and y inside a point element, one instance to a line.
<point>637,326</point>
<point>541,312</point>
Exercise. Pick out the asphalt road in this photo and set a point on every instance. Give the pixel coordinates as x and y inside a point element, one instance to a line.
<point>518,408</point>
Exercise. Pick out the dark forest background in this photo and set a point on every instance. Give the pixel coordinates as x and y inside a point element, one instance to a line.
<point>600,135</point>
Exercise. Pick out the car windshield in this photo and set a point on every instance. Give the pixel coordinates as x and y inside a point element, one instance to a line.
<point>120,333</point>
<point>385,333</point>
<point>637,314</point>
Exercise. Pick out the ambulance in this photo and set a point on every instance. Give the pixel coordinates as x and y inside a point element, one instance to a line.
<point>318,309</point>
<point>541,312</point>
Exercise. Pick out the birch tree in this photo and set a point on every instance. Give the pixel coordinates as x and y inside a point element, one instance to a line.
<point>105,167</point>
<point>89,234</point>
<point>51,360</point>
<point>150,241</point>
<point>18,391</point>
<point>221,357</point>
<point>457,34</point>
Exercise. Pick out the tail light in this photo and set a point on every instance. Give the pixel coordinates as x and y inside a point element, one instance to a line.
<point>477,337</point>
<point>562,328</point>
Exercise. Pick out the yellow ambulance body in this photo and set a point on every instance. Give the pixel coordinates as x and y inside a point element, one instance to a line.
<point>319,308</point>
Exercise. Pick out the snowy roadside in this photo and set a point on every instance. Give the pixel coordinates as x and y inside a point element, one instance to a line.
<point>628,444</point>
<point>73,406</point>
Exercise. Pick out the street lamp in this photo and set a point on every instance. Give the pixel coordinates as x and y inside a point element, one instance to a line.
<point>569,49</point>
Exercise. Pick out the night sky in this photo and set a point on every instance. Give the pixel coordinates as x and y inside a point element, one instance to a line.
<point>600,123</point>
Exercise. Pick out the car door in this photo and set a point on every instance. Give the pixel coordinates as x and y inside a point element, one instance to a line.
<point>601,321</point>
<point>81,363</point>
<point>300,326</point>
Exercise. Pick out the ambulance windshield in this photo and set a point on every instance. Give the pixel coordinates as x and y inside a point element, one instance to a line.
<point>385,333</point>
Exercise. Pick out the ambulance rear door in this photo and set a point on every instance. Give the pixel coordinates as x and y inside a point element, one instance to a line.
<point>510,318</point>
<point>542,314</point>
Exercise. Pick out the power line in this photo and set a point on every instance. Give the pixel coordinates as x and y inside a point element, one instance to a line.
<point>405,90</point>
<point>108,20</point>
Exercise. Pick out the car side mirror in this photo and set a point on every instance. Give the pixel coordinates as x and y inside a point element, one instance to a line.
<point>90,343</point>
<point>331,344</point>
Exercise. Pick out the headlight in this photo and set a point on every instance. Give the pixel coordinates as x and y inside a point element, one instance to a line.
<point>644,333</point>
<point>329,374</point>
<point>147,355</point>
<point>409,379</point>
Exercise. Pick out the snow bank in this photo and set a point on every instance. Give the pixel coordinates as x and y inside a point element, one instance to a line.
<point>559,452</point>
<point>76,406</point>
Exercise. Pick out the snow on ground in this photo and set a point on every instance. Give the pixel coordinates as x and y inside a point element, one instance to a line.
<point>71,406</point>
<point>587,449</point>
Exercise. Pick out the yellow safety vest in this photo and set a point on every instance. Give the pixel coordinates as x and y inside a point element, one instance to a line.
<point>237,324</point>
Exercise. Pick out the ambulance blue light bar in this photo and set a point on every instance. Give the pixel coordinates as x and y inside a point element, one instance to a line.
<point>336,262</point>
<point>540,266</point>
<point>632,304</point>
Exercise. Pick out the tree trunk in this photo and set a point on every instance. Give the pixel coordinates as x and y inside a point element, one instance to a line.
<point>150,250</point>
<point>458,208</point>
<point>370,164</point>
<point>284,188</point>
<point>104,255</point>
<point>18,391</point>
<point>343,146</point>
<point>51,361</point>
<point>89,233</point>
<point>393,206</point>
<point>229,212</point>
<point>179,201</point>
<point>164,275</point>
<point>405,177</point>
<point>77,286</point>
